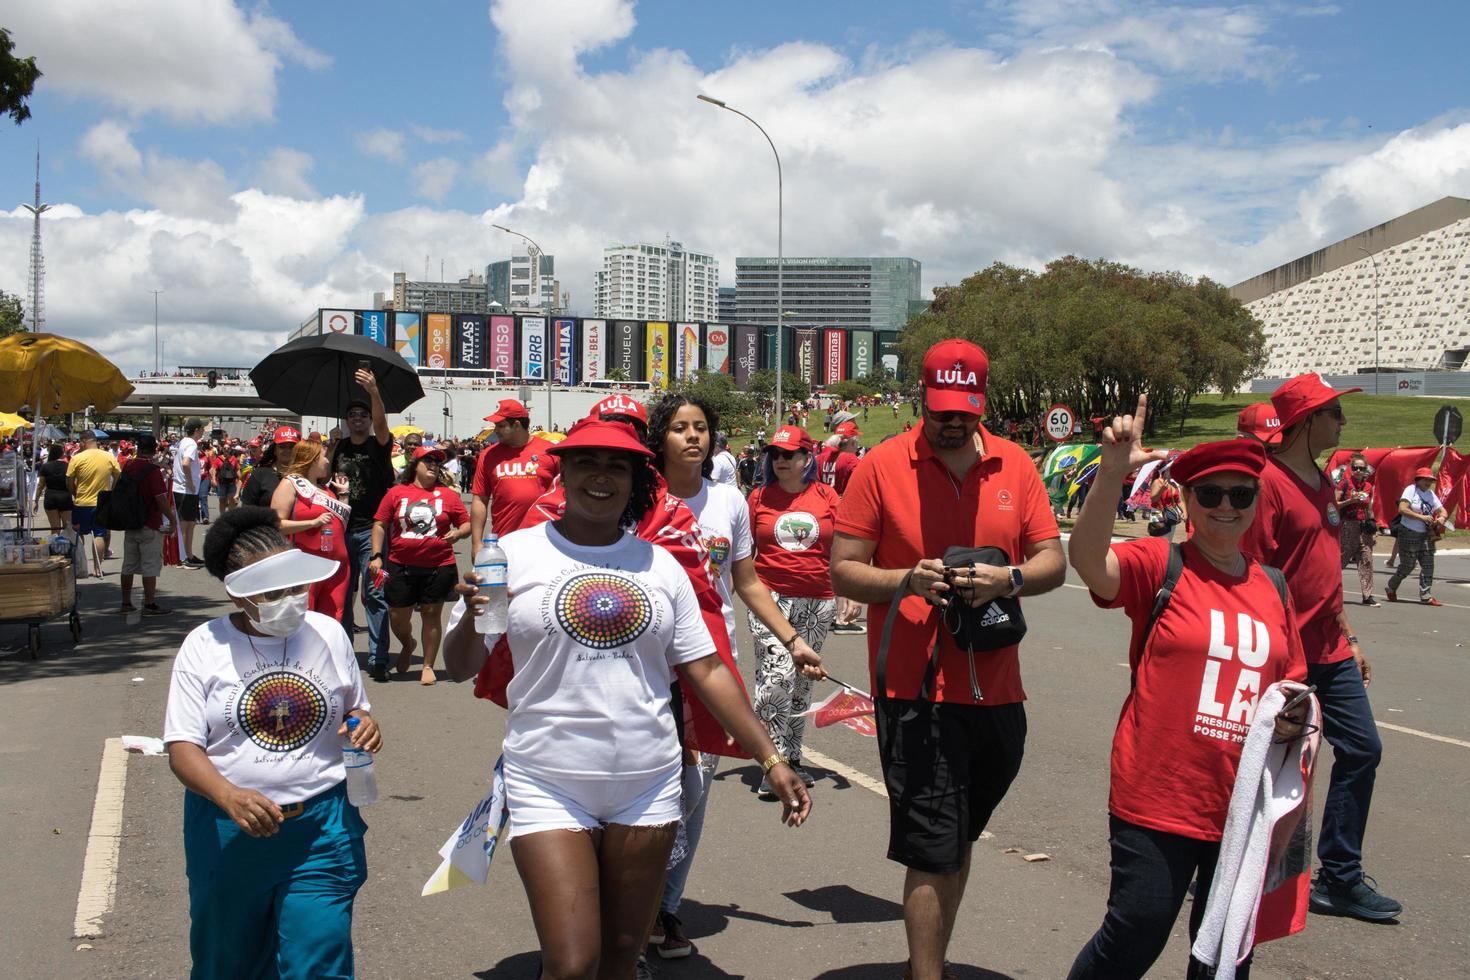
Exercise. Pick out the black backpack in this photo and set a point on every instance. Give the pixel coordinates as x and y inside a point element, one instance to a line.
<point>124,507</point>
<point>227,472</point>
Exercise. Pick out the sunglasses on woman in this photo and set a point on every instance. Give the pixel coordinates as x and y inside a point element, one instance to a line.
<point>1210,495</point>
<point>788,453</point>
<point>1360,469</point>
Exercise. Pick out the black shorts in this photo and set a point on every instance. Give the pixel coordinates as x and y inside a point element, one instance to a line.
<point>188,506</point>
<point>409,587</point>
<point>947,767</point>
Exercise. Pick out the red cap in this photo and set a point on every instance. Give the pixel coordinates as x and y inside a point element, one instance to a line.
<point>619,405</point>
<point>790,437</point>
<point>1424,473</point>
<point>285,434</point>
<point>423,451</point>
<point>255,442</point>
<point>1244,456</point>
<point>509,409</point>
<point>848,430</point>
<point>1259,421</point>
<point>1302,395</point>
<point>597,434</point>
<point>315,437</point>
<point>954,377</point>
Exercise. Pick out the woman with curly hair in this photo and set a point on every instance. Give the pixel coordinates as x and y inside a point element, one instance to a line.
<point>255,726</point>
<point>599,622</point>
<point>314,516</point>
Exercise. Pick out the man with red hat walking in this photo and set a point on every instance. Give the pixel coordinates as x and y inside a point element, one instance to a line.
<point>511,474</point>
<point>1421,520</point>
<point>834,467</point>
<point>951,724</point>
<point>1297,529</point>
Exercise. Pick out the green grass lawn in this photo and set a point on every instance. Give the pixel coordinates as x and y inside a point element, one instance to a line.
<point>1373,421</point>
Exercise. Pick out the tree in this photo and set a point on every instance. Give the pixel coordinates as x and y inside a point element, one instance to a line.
<point>720,392</point>
<point>12,315</point>
<point>762,384</point>
<point>17,79</point>
<point>848,390</point>
<point>618,374</point>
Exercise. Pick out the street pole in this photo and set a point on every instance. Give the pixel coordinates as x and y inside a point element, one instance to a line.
<point>780,244</point>
<point>1374,260</point>
<point>157,353</point>
<point>535,252</point>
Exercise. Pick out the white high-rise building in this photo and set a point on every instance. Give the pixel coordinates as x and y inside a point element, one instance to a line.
<point>658,282</point>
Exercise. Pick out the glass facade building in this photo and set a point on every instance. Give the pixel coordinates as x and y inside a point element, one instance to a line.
<point>872,293</point>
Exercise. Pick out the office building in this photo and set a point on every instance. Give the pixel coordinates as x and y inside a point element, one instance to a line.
<point>865,293</point>
<point>465,296</point>
<point>516,285</point>
<point>657,282</point>
<point>727,305</point>
<point>1408,277</point>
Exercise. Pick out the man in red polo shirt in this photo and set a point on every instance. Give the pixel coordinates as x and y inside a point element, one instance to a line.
<point>511,474</point>
<point>1297,529</point>
<point>951,724</point>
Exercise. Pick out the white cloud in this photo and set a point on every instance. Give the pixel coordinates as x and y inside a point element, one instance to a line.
<point>189,188</point>
<point>430,135</point>
<point>435,177</point>
<point>284,171</point>
<point>200,61</point>
<point>386,144</point>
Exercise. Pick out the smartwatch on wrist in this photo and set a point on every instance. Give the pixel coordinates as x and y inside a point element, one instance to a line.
<point>1017,580</point>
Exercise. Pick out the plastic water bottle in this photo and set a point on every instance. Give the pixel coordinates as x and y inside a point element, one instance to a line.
<point>362,782</point>
<point>326,539</point>
<point>490,566</point>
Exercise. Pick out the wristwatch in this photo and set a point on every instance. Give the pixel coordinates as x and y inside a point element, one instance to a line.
<point>1017,580</point>
<point>773,761</point>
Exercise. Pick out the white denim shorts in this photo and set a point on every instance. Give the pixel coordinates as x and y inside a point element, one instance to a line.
<point>539,801</point>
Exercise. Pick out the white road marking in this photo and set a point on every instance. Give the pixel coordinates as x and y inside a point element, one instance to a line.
<point>99,868</point>
<point>851,775</point>
<point>1429,735</point>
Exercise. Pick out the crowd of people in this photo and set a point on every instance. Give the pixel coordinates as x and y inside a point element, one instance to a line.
<point>627,544</point>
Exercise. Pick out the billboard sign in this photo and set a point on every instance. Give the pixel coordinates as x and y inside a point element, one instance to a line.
<point>658,355</point>
<point>406,336</point>
<point>686,350</point>
<point>594,350</point>
<point>565,352</point>
<point>503,345</point>
<point>337,321</point>
<point>747,353</point>
<point>438,340</point>
<point>469,341</point>
<point>834,356</point>
<point>627,348</point>
<point>717,348</point>
<point>533,348</point>
<point>862,353</point>
<point>806,355</point>
<point>888,351</point>
<point>375,326</point>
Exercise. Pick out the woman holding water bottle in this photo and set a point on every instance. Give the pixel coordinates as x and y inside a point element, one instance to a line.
<point>314,516</point>
<point>256,727</point>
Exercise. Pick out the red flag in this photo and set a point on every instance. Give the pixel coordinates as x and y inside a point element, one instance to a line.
<point>847,706</point>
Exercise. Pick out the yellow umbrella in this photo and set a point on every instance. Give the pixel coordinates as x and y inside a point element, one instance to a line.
<point>485,433</point>
<point>55,375</point>
<point>399,431</point>
<point>552,436</point>
<point>9,422</point>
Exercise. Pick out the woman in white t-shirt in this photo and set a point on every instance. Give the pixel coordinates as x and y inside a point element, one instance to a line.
<point>255,726</point>
<point>681,432</point>
<point>599,620</point>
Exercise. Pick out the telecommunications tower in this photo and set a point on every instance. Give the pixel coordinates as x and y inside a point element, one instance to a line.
<point>38,262</point>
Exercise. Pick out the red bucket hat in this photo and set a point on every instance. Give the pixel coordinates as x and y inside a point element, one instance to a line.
<point>509,409</point>
<point>596,434</point>
<point>954,377</point>
<point>1302,395</point>
<point>1424,473</point>
<point>1259,421</point>
<point>1244,456</point>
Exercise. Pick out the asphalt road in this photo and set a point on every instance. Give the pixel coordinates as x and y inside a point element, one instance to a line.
<point>763,901</point>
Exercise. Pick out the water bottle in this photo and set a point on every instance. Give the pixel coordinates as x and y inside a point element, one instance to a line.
<point>362,782</point>
<point>326,539</point>
<point>491,568</point>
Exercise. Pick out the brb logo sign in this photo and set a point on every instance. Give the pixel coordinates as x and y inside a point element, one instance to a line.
<point>1231,683</point>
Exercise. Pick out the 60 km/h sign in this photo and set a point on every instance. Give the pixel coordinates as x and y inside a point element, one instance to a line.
<point>1059,422</point>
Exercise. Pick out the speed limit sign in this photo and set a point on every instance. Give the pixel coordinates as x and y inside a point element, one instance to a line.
<point>1059,421</point>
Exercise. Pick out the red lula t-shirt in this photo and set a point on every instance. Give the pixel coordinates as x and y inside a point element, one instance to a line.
<point>513,479</point>
<point>417,520</point>
<point>834,468</point>
<point>1297,530</point>
<point>793,539</point>
<point>1219,644</point>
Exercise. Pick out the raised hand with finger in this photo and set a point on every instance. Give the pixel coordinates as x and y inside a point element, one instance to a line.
<point>1122,442</point>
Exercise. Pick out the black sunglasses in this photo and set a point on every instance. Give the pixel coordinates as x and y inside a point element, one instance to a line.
<point>1360,469</point>
<point>1335,411</point>
<point>945,418</point>
<point>1210,495</point>
<point>787,453</point>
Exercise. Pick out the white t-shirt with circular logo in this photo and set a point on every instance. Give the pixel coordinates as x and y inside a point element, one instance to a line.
<point>266,709</point>
<point>724,524</point>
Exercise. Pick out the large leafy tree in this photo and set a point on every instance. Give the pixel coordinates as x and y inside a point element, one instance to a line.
<point>1095,335</point>
<point>12,315</point>
<point>17,78</point>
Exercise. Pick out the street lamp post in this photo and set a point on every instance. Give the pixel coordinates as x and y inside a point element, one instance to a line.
<point>157,351</point>
<point>1374,260</point>
<point>780,254</point>
<point>536,252</point>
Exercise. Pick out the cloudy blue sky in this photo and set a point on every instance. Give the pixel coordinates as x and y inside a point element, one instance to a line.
<point>257,161</point>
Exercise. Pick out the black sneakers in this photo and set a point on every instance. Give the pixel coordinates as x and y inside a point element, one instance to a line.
<point>668,937</point>
<point>1360,900</point>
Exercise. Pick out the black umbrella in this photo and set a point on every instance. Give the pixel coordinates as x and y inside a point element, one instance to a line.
<point>313,375</point>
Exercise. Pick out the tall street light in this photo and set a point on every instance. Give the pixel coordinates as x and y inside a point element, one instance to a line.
<point>1374,260</point>
<point>157,351</point>
<point>536,252</point>
<point>780,256</point>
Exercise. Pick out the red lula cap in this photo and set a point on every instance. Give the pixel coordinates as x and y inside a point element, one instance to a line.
<point>1260,422</point>
<point>1245,456</point>
<point>509,409</point>
<point>285,434</point>
<point>790,437</point>
<point>619,405</point>
<point>954,377</point>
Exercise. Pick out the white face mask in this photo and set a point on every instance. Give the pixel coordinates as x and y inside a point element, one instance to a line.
<point>281,617</point>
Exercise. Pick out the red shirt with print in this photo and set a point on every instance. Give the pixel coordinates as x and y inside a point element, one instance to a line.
<point>906,500</point>
<point>1297,530</point>
<point>417,520</point>
<point>793,538</point>
<point>1357,510</point>
<point>834,468</point>
<point>513,479</point>
<point>1219,644</point>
